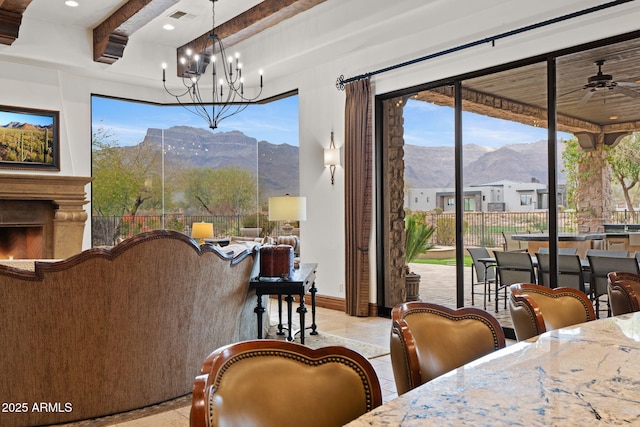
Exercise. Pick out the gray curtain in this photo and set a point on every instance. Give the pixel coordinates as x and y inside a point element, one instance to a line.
<point>358,179</point>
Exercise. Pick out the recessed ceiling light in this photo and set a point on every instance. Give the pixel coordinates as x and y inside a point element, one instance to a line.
<point>71,3</point>
<point>613,117</point>
<point>168,27</point>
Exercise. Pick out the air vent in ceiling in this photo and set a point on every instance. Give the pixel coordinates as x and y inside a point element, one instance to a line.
<point>177,14</point>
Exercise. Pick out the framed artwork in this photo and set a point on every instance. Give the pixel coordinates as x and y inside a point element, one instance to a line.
<point>29,138</point>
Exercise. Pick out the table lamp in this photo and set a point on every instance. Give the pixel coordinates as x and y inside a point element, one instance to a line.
<point>202,230</point>
<point>287,208</point>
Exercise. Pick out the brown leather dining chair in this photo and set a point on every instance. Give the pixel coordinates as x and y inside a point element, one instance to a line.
<point>624,292</point>
<point>428,340</point>
<point>281,383</point>
<point>537,309</point>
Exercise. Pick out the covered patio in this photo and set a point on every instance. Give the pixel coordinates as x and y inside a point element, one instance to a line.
<point>438,285</point>
<point>583,91</point>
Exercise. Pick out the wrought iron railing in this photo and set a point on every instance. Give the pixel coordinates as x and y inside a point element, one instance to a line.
<point>485,228</point>
<point>108,230</point>
<point>480,228</point>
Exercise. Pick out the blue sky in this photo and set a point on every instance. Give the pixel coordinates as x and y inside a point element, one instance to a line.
<point>8,117</point>
<point>276,122</point>
<point>430,125</point>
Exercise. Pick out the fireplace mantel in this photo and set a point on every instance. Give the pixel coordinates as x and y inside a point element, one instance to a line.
<point>68,195</point>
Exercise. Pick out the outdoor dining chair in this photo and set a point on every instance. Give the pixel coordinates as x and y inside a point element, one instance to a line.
<point>513,267</point>
<point>510,244</point>
<point>607,253</point>
<point>483,273</point>
<point>561,251</point>
<point>570,272</point>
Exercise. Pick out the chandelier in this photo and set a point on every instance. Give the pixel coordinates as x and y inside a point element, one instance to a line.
<point>227,87</point>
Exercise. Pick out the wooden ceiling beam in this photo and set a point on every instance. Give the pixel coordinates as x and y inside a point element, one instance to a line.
<point>111,36</point>
<point>249,23</point>
<point>11,18</point>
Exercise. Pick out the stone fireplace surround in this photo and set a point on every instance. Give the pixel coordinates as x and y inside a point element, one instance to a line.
<point>54,203</point>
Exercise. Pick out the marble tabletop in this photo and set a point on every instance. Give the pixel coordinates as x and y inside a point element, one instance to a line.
<point>588,374</point>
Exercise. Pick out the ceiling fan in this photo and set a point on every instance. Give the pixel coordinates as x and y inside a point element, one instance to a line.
<point>604,82</point>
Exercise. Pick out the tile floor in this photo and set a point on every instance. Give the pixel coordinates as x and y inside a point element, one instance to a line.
<point>437,285</point>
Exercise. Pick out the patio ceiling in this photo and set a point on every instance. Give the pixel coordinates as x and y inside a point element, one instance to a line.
<point>521,94</point>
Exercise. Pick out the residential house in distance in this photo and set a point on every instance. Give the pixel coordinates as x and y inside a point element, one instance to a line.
<point>498,196</point>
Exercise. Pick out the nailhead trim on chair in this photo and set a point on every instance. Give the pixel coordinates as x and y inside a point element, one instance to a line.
<point>466,316</point>
<point>518,295</point>
<point>529,312</point>
<point>405,354</point>
<point>558,295</point>
<point>285,354</point>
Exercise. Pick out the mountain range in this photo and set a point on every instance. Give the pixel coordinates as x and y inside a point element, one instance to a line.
<point>278,166</point>
<point>25,126</point>
<point>187,146</point>
<point>428,167</point>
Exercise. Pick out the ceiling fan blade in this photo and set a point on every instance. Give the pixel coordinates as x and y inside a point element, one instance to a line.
<point>587,96</point>
<point>628,84</point>
<point>626,91</point>
<point>570,92</point>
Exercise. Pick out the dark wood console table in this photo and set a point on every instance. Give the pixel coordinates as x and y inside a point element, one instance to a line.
<point>301,282</point>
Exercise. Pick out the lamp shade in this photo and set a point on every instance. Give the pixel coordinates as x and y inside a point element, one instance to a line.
<point>331,156</point>
<point>202,230</point>
<point>287,208</point>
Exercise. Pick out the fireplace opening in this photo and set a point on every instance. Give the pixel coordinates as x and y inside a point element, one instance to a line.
<point>26,229</point>
<point>21,242</point>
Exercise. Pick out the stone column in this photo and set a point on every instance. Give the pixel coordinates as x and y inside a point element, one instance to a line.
<point>594,190</point>
<point>393,194</point>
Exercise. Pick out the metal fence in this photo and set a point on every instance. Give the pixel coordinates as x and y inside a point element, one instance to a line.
<point>108,230</point>
<point>485,228</point>
<point>480,228</point>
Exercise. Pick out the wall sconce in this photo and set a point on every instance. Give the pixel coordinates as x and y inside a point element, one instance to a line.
<point>201,231</point>
<point>332,158</point>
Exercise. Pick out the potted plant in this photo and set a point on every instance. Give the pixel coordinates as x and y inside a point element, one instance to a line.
<point>417,235</point>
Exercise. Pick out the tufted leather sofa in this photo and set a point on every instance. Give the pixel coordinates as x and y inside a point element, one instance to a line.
<point>112,330</point>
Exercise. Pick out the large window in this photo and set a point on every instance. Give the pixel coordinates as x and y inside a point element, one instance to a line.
<point>515,171</point>
<point>160,167</point>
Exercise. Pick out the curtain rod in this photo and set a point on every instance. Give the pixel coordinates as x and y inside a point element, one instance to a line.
<point>341,81</point>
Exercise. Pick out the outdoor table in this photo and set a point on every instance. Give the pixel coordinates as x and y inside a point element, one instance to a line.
<point>581,242</point>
